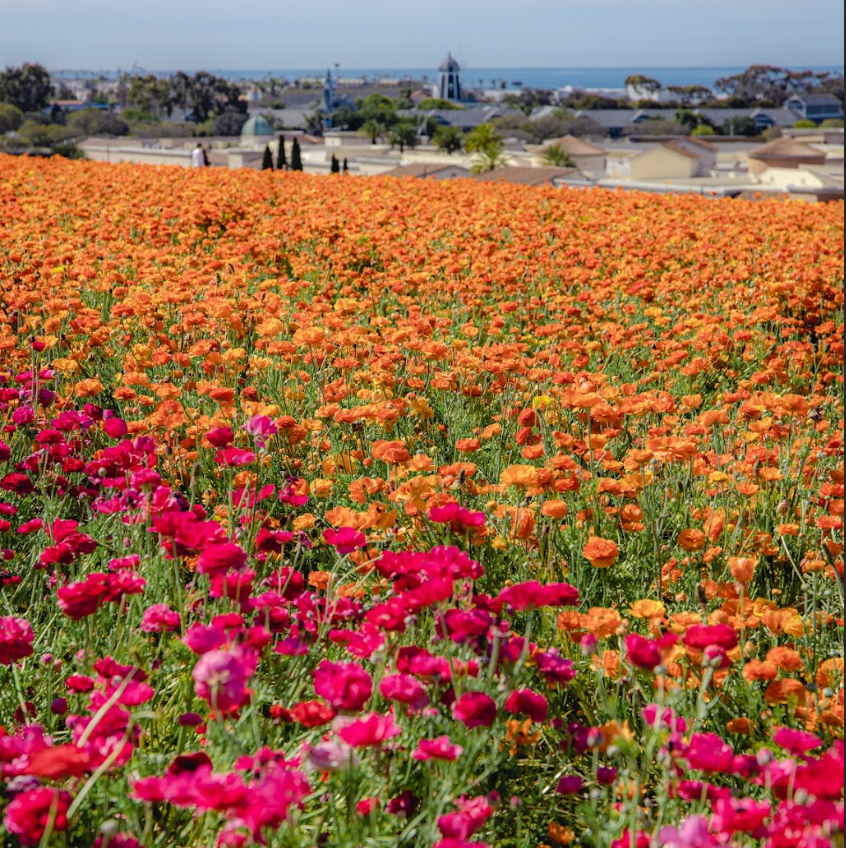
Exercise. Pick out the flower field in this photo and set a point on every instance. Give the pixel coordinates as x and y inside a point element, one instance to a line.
<point>372,513</point>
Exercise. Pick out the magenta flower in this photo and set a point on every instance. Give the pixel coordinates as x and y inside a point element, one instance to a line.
<point>439,748</point>
<point>528,702</point>
<point>475,709</point>
<point>346,540</point>
<point>346,686</point>
<point>220,679</point>
<point>16,638</point>
<point>370,731</point>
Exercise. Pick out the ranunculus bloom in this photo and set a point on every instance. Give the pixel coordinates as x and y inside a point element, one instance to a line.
<point>570,785</point>
<point>528,702</point>
<point>523,596</point>
<point>439,748</point>
<point>369,731</point>
<point>796,742</point>
<point>475,709</point>
<point>346,540</point>
<point>29,813</point>
<point>642,652</point>
<point>159,618</point>
<point>16,639</point>
<point>346,686</point>
<point>220,678</point>
<point>600,553</point>
<point>701,636</point>
<point>403,688</point>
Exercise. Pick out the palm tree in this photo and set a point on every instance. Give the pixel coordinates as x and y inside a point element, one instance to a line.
<point>488,146</point>
<point>372,129</point>
<point>403,134</point>
<point>449,139</point>
<point>556,156</point>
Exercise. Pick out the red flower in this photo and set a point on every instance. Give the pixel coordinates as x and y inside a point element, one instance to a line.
<point>532,594</point>
<point>16,639</point>
<point>529,702</point>
<point>346,686</point>
<point>369,731</point>
<point>346,540</point>
<point>440,748</point>
<point>475,709</point>
<point>313,713</point>
<point>30,813</point>
<point>701,636</point>
<point>642,652</point>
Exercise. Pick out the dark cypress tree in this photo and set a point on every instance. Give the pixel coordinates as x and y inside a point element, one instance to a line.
<point>267,159</point>
<point>346,167</point>
<point>336,165</point>
<point>296,156</point>
<point>281,161</point>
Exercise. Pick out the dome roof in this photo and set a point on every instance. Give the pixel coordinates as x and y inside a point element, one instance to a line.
<point>449,65</point>
<point>258,125</point>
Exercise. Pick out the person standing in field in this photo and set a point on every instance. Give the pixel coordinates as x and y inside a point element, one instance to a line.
<point>198,156</point>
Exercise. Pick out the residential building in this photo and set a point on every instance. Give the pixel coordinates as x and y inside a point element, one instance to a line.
<point>527,176</point>
<point>587,157</point>
<point>815,107</point>
<point>665,161</point>
<point>430,171</point>
<point>783,153</point>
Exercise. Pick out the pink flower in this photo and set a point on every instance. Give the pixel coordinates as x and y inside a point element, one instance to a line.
<point>642,652</point>
<point>30,813</point>
<point>222,556</point>
<point>460,520</point>
<point>529,702</point>
<point>403,688</point>
<point>692,833</point>
<point>369,731</point>
<point>346,686</point>
<point>235,457</point>
<point>346,540</point>
<point>115,428</point>
<point>220,679</point>
<point>532,594</point>
<point>261,428</point>
<point>570,785</point>
<point>796,742</point>
<point>475,709</point>
<point>16,639</point>
<point>439,748</point>
<point>708,752</point>
<point>701,636</point>
<point>739,814</point>
<point>159,618</point>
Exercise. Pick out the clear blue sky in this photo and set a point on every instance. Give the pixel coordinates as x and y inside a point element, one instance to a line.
<point>259,34</point>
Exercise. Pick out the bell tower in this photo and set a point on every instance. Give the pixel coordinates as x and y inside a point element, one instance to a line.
<point>449,80</point>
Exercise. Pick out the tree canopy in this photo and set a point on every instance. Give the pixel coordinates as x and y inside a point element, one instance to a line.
<point>27,87</point>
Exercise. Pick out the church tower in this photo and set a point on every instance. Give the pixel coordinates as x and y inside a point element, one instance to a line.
<point>449,81</point>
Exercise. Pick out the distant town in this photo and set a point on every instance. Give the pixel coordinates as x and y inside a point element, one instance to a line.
<point>763,131</point>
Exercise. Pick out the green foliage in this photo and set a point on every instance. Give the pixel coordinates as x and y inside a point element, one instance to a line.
<point>487,144</point>
<point>403,134</point>
<point>703,130</point>
<point>335,165</point>
<point>267,159</point>
<point>229,123</point>
<point>760,84</point>
<point>96,122</point>
<point>426,103</point>
<point>27,87</point>
<point>642,82</point>
<point>281,159</point>
<point>804,125</point>
<point>556,156</point>
<point>372,129</point>
<point>449,139</point>
<point>10,117</point>
<point>740,126</point>
<point>150,93</point>
<point>831,123</point>
<point>296,156</point>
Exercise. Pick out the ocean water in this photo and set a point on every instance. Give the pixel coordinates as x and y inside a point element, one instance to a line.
<point>547,78</point>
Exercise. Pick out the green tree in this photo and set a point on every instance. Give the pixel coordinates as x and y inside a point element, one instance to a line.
<point>267,159</point>
<point>372,129</point>
<point>335,165</point>
<point>281,160</point>
<point>703,130</point>
<point>804,125</point>
<point>296,156</point>
<point>427,103</point>
<point>403,134</point>
<point>639,82</point>
<point>449,139</point>
<point>831,123</point>
<point>27,87</point>
<point>346,166</point>
<point>743,125</point>
<point>207,95</point>
<point>150,93</point>
<point>556,156</point>
<point>487,144</point>
<point>96,122</point>
<point>229,123</point>
<point>10,117</point>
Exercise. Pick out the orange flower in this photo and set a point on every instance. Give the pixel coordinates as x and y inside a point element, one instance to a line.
<point>742,568</point>
<point>691,540</point>
<point>392,453</point>
<point>601,553</point>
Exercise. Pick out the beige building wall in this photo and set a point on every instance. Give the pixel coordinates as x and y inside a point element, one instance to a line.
<point>661,163</point>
